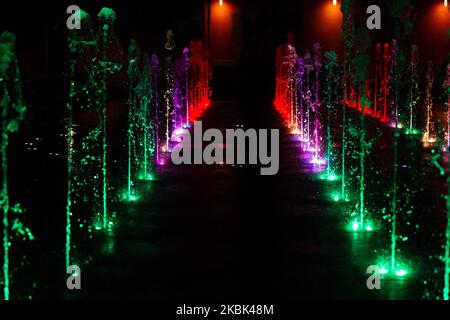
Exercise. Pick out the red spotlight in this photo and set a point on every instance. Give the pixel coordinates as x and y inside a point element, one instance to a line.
<point>335,2</point>
<point>446,3</point>
<point>221,2</point>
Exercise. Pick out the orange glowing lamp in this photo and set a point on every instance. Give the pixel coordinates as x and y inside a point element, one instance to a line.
<point>221,2</point>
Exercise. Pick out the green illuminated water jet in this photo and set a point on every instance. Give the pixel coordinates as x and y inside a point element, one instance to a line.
<point>141,144</point>
<point>168,95</point>
<point>79,42</point>
<point>106,66</point>
<point>446,291</point>
<point>133,78</point>
<point>69,160</point>
<point>92,62</point>
<point>429,135</point>
<point>361,62</point>
<point>308,67</point>
<point>12,113</point>
<point>348,34</point>
<point>332,85</point>
<point>394,101</point>
<point>147,114</point>
<point>414,93</point>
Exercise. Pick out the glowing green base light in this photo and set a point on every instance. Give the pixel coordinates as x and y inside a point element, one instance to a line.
<point>412,132</point>
<point>336,197</point>
<point>383,270</point>
<point>99,226</point>
<point>355,226</point>
<point>132,198</point>
<point>400,273</point>
<point>328,176</point>
<point>146,177</point>
<point>126,197</point>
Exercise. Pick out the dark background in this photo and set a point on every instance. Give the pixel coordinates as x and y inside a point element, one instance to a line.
<point>41,31</point>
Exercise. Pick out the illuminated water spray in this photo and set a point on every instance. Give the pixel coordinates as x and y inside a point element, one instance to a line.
<point>181,91</point>
<point>394,75</point>
<point>395,118</point>
<point>361,62</point>
<point>12,113</point>
<point>378,81</point>
<point>291,64</point>
<point>79,42</point>
<point>133,79</point>
<point>447,86</point>
<point>199,77</point>
<point>348,35</point>
<point>385,82</point>
<point>429,135</point>
<point>107,66</point>
<point>446,291</point>
<point>141,134</point>
<point>316,105</point>
<point>332,85</point>
<point>309,68</point>
<point>94,59</point>
<point>154,84</point>
<point>168,94</point>
<point>413,94</point>
<point>147,116</point>
<point>300,109</point>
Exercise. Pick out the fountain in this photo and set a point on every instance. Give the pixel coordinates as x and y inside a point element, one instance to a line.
<point>386,81</point>
<point>429,135</point>
<point>309,68</point>
<point>414,93</point>
<point>300,109</point>
<point>79,43</point>
<point>106,66</point>
<point>348,34</point>
<point>361,62</point>
<point>146,119</point>
<point>446,291</point>
<point>317,159</point>
<point>154,84</point>
<point>141,119</point>
<point>199,77</point>
<point>12,111</point>
<point>378,80</point>
<point>181,91</point>
<point>394,85</point>
<point>133,105</point>
<point>286,87</point>
<point>331,91</point>
<point>93,60</point>
<point>169,89</point>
